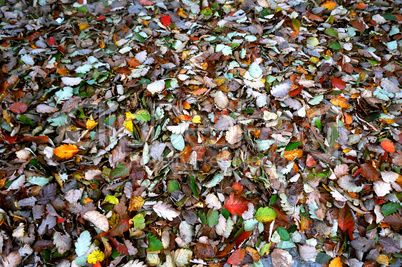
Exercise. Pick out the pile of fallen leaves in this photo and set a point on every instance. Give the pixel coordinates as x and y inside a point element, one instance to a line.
<point>193,133</point>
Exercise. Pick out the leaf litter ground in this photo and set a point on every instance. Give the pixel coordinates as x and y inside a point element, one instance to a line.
<point>193,133</point>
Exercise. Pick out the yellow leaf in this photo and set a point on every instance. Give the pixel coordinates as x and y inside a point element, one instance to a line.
<point>292,154</point>
<point>182,13</point>
<point>197,119</point>
<point>112,199</point>
<point>96,256</point>
<point>82,26</point>
<point>336,262</point>
<point>130,116</point>
<point>91,124</point>
<point>382,259</point>
<point>341,102</point>
<point>330,5</point>
<point>136,203</point>
<point>65,151</point>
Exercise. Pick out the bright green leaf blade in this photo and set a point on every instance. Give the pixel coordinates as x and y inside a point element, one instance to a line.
<point>265,214</point>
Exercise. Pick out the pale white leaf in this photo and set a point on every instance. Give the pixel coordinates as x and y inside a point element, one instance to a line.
<point>229,228</point>
<point>12,260</point>
<point>346,184</point>
<point>389,176</point>
<point>62,242</point>
<point>73,195</point>
<point>43,108</point>
<point>186,232</point>
<point>381,188</point>
<point>71,81</point>
<point>341,170</point>
<point>165,211</point>
<point>98,219</point>
<point>221,100</point>
<point>338,196</point>
<point>282,89</point>
<point>213,202</point>
<point>156,87</point>
<point>135,263</point>
<point>19,232</point>
<point>27,59</point>
<point>248,214</point>
<point>182,257</point>
<point>130,248</point>
<point>234,134</point>
<point>141,56</point>
<point>177,141</point>
<point>221,226</point>
<point>17,183</point>
<point>255,70</point>
<point>179,129</point>
<point>91,174</point>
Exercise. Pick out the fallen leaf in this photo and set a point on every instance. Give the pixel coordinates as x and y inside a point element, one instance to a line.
<point>65,151</point>
<point>18,107</point>
<point>388,146</point>
<point>237,257</point>
<point>330,5</point>
<point>336,262</point>
<point>165,20</point>
<point>292,154</point>
<point>165,211</point>
<point>98,219</point>
<point>236,204</point>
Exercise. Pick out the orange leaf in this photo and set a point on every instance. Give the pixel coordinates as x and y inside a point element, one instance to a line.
<point>292,154</point>
<point>340,101</point>
<point>336,262</point>
<point>345,220</point>
<point>132,62</point>
<point>361,6</point>
<point>330,5</point>
<point>236,204</point>
<point>237,257</point>
<point>65,151</point>
<point>388,146</point>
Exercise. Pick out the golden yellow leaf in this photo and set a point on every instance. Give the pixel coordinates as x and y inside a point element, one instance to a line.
<point>341,102</point>
<point>382,259</point>
<point>96,256</point>
<point>182,13</point>
<point>197,119</point>
<point>336,262</point>
<point>136,203</point>
<point>330,5</point>
<point>292,154</point>
<point>82,26</point>
<point>91,124</point>
<point>65,151</point>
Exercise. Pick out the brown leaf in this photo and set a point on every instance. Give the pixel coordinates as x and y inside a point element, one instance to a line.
<point>204,251</point>
<point>394,220</point>
<point>370,173</point>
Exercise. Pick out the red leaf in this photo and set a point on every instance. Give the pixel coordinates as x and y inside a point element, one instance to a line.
<point>100,18</point>
<point>244,236</point>
<point>237,188</point>
<point>166,20</point>
<point>345,221</point>
<point>51,41</point>
<point>296,91</point>
<point>237,257</point>
<point>37,139</point>
<point>18,107</point>
<point>60,220</point>
<point>97,264</point>
<point>236,204</point>
<point>388,146</point>
<point>121,248</point>
<point>338,83</point>
<point>8,138</point>
<point>146,3</point>
<point>122,226</point>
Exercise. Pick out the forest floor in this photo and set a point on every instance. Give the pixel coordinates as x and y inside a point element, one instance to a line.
<point>200,133</point>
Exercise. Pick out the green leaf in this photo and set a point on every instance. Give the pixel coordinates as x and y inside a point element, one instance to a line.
<point>26,120</point>
<point>139,221</point>
<point>194,186</point>
<point>213,217</point>
<point>59,120</point>
<point>172,185</point>
<point>389,208</point>
<point>318,124</point>
<point>316,100</point>
<point>265,214</point>
<point>331,32</point>
<point>177,141</point>
<point>218,177</point>
<point>335,45</point>
<point>334,136</point>
<point>82,9</point>
<point>273,199</point>
<point>121,171</point>
<point>41,181</point>
<point>154,243</point>
<point>142,115</point>
<point>112,199</point>
<point>83,243</point>
<point>292,146</point>
<point>283,233</point>
<point>322,258</point>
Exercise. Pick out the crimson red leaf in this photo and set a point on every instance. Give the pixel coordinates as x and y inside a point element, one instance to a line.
<point>122,226</point>
<point>121,248</point>
<point>245,235</point>
<point>100,18</point>
<point>237,257</point>
<point>338,83</point>
<point>18,107</point>
<point>51,41</point>
<point>345,221</point>
<point>236,204</point>
<point>166,20</point>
